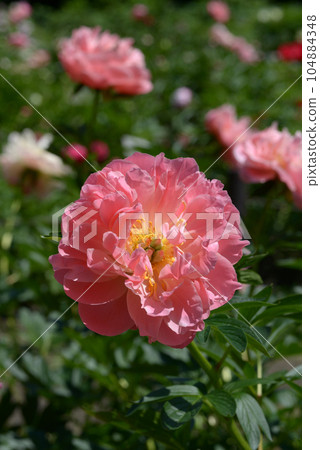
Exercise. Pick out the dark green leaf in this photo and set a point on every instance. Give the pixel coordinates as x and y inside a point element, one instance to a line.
<point>166,393</point>
<point>223,403</point>
<point>179,411</point>
<point>249,260</point>
<point>252,419</point>
<point>230,329</point>
<point>249,277</point>
<point>203,336</point>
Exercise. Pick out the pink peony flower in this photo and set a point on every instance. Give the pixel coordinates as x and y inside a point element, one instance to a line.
<point>19,11</point>
<point>104,61</point>
<point>76,152</point>
<point>18,39</point>
<point>245,51</point>
<point>182,97</point>
<point>271,153</point>
<point>100,149</point>
<point>223,123</point>
<point>139,249</point>
<point>26,161</point>
<point>219,11</point>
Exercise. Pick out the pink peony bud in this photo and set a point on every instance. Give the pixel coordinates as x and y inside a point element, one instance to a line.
<point>101,150</point>
<point>219,11</point>
<point>76,152</point>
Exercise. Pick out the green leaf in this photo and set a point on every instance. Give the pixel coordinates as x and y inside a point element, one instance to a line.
<point>166,393</point>
<point>203,336</point>
<point>249,260</point>
<point>180,410</point>
<point>223,403</point>
<point>252,419</point>
<point>230,329</point>
<point>236,385</point>
<point>264,294</point>
<point>284,307</point>
<point>249,277</point>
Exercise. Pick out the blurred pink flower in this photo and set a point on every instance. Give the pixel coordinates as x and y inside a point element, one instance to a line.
<point>271,153</point>
<point>19,11</point>
<point>222,122</point>
<point>219,11</point>
<point>39,58</point>
<point>104,61</point>
<point>182,97</point>
<point>245,51</point>
<point>25,160</point>
<point>76,152</point>
<point>140,13</point>
<point>100,149</point>
<point>19,40</point>
<point>162,277</point>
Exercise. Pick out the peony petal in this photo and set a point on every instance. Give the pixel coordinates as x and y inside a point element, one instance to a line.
<point>108,319</point>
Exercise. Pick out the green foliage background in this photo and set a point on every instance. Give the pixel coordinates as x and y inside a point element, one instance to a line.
<point>73,389</point>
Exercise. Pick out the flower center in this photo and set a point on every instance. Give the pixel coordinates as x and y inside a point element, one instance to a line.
<point>157,247</point>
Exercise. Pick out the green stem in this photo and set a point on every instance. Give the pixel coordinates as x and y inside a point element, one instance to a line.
<point>214,378</point>
<point>94,113</point>
<point>219,363</point>
<point>237,434</point>
<point>259,390</point>
<point>203,362</point>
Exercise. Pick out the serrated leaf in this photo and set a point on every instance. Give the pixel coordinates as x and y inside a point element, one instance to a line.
<point>166,393</point>
<point>223,402</point>
<point>180,410</point>
<point>252,419</point>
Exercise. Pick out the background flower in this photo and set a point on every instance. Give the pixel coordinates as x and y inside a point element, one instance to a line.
<point>104,61</point>
<point>268,154</point>
<point>219,11</point>
<point>25,152</point>
<point>19,11</point>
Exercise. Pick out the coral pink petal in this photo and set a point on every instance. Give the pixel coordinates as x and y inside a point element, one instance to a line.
<point>94,293</point>
<point>108,319</point>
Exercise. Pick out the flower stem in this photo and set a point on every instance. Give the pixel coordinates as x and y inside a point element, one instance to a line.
<point>237,434</point>
<point>259,391</point>
<point>215,380</point>
<point>203,362</point>
<point>94,113</point>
